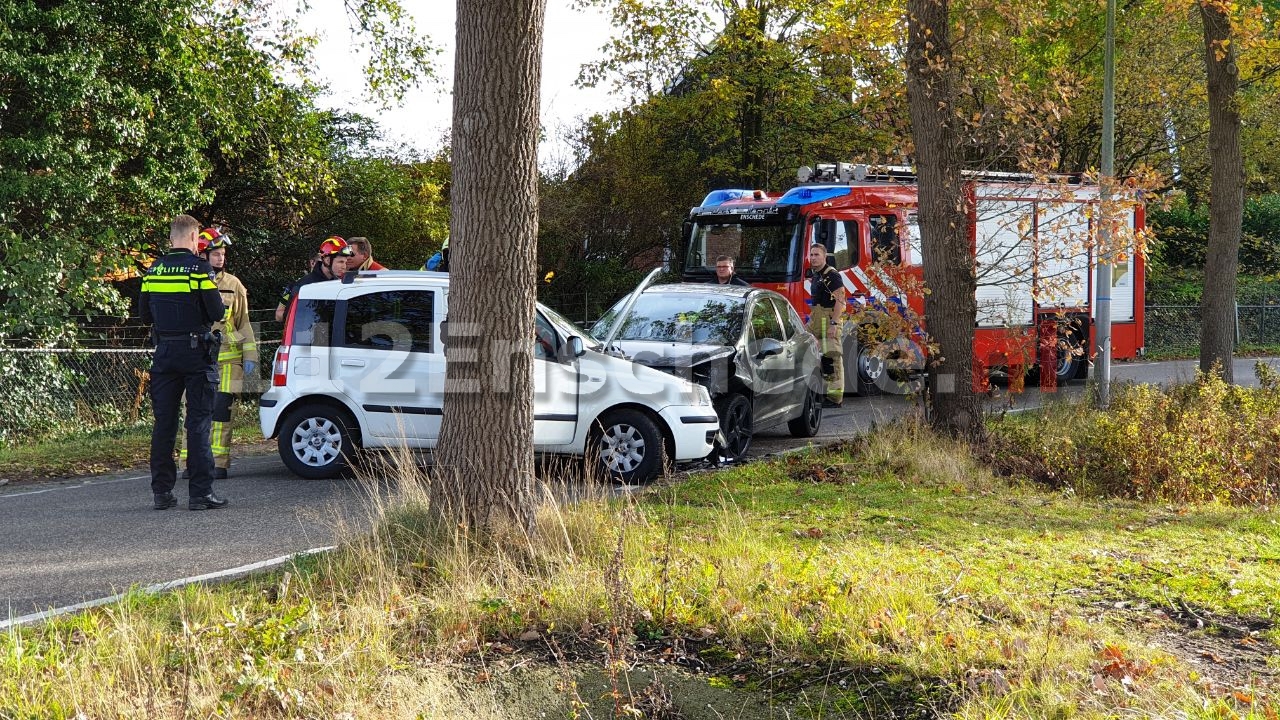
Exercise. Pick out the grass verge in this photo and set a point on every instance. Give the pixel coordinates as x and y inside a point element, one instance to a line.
<point>95,451</point>
<point>893,577</point>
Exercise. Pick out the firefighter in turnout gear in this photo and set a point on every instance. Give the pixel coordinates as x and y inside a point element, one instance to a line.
<point>238,356</point>
<point>181,302</point>
<point>827,319</point>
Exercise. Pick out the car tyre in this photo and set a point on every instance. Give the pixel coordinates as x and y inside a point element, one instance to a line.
<point>810,419</point>
<point>317,441</point>
<point>627,446</point>
<point>734,411</point>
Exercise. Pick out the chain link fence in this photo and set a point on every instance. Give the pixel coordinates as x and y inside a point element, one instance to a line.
<point>101,382</point>
<point>1175,329</point>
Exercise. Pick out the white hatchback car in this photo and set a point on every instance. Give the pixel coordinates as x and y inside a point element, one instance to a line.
<point>362,366</point>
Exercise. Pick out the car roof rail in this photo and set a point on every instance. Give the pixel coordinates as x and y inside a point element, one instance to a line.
<point>351,275</point>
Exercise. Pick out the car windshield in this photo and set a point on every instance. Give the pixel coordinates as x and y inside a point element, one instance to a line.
<point>678,318</point>
<point>567,328</point>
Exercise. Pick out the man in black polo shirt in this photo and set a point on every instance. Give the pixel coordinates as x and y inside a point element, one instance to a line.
<point>182,302</point>
<point>826,319</point>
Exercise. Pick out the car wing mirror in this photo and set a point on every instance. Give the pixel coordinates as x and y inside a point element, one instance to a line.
<point>576,346</point>
<point>768,347</point>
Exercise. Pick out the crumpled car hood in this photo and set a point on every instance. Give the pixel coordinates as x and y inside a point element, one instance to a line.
<point>671,355</point>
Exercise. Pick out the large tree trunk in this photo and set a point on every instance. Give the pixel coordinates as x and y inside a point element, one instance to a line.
<point>1226,194</point>
<point>485,454</point>
<point>950,307</point>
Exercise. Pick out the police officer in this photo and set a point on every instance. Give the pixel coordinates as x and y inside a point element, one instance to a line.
<point>182,303</point>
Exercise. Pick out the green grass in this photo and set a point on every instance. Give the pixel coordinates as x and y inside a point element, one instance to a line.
<point>93,451</point>
<point>894,577</point>
<point>1246,350</point>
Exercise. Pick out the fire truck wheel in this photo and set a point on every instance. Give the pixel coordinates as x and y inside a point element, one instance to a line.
<point>871,370</point>
<point>1070,358</point>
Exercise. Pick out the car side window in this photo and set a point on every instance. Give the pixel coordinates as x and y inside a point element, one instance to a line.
<point>312,322</point>
<point>392,320</point>
<point>764,321</point>
<point>546,343</point>
<point>789,329</point>
<point>793,318</point>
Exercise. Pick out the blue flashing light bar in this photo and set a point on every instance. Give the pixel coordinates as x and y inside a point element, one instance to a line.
<point>806,195</point>
<point>720,197</point>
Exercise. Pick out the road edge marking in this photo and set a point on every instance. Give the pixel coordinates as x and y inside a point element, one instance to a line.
<point>162,587</point>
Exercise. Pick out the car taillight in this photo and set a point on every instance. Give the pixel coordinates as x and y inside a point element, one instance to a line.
<point>280,368</point>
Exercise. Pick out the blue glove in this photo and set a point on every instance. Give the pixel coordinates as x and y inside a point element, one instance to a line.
<point>249,367</point>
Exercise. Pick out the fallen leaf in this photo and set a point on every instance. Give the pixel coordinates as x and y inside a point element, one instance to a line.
<point>1243,697</point>
<point>1099,683</point>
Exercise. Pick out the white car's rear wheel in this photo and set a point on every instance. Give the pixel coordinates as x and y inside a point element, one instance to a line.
<point>316,441</point>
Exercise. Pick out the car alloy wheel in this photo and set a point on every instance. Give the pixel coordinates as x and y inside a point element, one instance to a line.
<point>627,444</point>
<point>735,426</point>
<point>317,441</point>
<point>622,448</point>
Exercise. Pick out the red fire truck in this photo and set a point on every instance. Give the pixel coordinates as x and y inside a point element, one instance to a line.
<point>1033,246</point>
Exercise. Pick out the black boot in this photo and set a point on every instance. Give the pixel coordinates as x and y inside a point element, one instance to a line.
<point>208,502</point>
<point>164,501</point>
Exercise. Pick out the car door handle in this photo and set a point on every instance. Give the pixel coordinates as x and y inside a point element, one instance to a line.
<point>352,363</point>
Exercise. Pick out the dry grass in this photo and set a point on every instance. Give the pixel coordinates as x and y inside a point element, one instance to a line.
<point>892,578</point>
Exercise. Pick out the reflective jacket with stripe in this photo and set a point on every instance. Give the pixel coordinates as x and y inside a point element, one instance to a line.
<point>178,297</point>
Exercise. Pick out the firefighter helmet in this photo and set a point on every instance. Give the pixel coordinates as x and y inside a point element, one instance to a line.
<point>334,245</point>
<point>211,239</point>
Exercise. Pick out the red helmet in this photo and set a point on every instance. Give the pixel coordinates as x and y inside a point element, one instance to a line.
<point>334,245</point>
<point>211,239</point>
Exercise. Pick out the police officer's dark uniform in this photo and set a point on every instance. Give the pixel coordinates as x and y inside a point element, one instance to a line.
<point>183,303</point>
<point>734,280</point>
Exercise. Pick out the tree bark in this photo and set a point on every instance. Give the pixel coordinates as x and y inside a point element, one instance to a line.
<point>1226,194</point>
<point>485,455</point>
<point>950,306</point>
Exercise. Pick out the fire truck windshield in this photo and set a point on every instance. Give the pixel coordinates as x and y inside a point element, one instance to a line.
<point>762,251</point>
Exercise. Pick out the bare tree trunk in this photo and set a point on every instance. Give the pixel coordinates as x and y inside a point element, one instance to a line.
<point>950,307</point>
<point>486,435</point>
<point>1226,194</point>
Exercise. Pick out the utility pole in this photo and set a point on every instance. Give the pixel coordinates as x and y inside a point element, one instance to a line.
<point>1102,281</point>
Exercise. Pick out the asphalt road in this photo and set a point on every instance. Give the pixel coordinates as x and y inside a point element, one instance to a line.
<point>65,543</point>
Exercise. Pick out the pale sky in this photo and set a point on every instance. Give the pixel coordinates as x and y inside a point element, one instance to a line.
<point>571,38</point>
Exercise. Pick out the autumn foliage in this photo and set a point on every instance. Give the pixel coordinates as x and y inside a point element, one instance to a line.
<point>1199,442</point>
